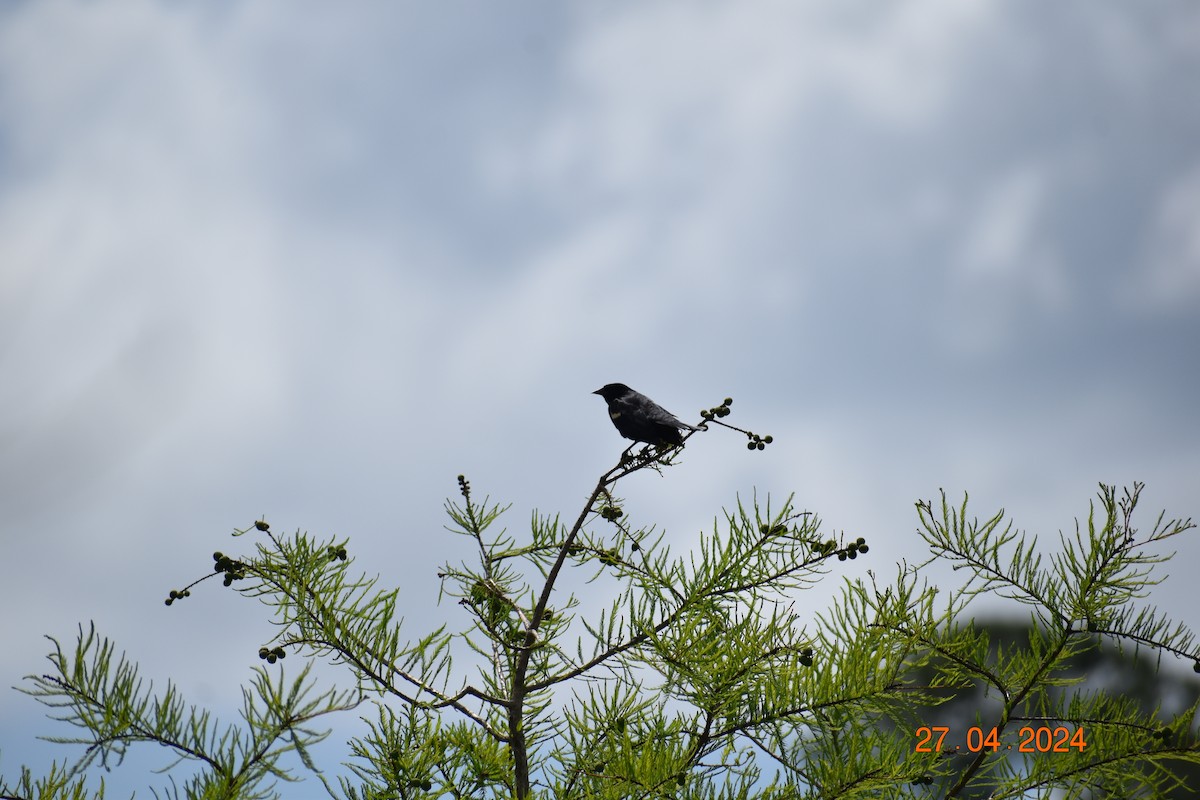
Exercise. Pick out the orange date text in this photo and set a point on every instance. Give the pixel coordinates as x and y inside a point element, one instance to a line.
<point>1041,739</point>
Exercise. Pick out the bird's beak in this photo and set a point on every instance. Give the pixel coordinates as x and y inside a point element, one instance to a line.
<point>598,391</point>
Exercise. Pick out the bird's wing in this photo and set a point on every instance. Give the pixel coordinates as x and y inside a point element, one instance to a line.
<point>657,413</point>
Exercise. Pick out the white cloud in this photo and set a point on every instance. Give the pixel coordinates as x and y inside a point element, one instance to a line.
<point>1003,231</point>
<point>562,303</point>
<point>1170,272</point>
<point>707,122</point>
<point>673,91</point>
<point>1006,265</point>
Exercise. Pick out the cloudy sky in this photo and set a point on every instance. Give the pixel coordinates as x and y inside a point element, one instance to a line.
<point>276,259</point>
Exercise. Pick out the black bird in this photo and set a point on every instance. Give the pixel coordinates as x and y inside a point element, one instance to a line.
<point>637,417</point>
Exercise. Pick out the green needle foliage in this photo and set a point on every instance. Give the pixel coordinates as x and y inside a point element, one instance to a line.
<point>695,678</point>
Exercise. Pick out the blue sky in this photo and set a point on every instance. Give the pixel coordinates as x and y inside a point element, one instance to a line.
<point>284,259</point>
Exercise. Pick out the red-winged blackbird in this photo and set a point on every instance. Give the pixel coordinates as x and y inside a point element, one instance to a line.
<point>637,417</point>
